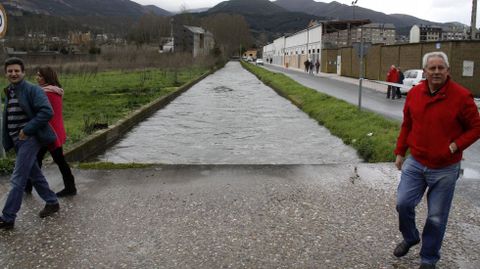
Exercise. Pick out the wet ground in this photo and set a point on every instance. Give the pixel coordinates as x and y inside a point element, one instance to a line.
<point>229,216</point>
<point>230,118</point>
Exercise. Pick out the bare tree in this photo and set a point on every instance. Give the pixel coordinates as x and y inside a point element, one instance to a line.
<point>149,29</point>
<point>231,32</point>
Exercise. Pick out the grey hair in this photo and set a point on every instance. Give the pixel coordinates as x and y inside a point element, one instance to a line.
<point>439,54</point>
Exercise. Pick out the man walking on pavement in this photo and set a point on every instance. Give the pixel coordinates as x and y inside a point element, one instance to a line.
<point>401,78</point>
<point>392,76</point>
<point>440,121</point>
<point>25,128</point>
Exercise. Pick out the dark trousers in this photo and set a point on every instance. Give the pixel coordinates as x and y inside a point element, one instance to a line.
<point>398,93</point>
<point>59,159</point>
<point>390,91</point>
<point>394,92</point>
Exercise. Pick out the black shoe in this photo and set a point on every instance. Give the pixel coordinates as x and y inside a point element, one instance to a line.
<point>403,248</point>
<point>6,225</point>
<point>48,210</point>
<point>427,266</point>
<point>67,192</point>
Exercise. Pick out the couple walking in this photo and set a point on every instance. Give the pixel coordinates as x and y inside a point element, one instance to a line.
<point>33,125</point>
<point>394,75</point>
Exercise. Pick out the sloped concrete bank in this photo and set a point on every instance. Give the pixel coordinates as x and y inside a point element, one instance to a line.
<point>102,139</point>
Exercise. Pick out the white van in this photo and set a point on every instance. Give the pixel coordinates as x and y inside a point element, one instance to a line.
<point>412,78</point>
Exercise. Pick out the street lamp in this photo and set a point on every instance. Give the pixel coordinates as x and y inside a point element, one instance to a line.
<point>353,7</point>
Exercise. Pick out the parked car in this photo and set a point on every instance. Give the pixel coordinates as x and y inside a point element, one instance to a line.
<point>412,78</point>
<point>259,61</point>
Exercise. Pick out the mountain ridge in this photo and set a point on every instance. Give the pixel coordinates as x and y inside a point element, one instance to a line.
<point>108,8</point>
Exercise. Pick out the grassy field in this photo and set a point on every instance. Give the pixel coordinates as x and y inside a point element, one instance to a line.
<point>92,102</point>
<point>372,135</point>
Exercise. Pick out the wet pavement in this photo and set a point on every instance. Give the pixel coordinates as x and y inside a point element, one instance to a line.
<point>230,117</point>
<point>230,216</point>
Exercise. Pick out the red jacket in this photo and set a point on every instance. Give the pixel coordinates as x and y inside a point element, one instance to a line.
<point>55,95</point>
<point>431,123</point>
<point>392,75</point>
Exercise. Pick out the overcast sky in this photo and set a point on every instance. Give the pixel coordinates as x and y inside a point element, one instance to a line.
<point>433,10</point>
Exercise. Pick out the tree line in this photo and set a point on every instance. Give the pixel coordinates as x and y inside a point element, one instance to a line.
<point>231,32</point>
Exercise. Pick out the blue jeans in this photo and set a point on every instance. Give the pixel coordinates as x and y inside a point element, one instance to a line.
<point>441,185</point>
<point>26,167</point>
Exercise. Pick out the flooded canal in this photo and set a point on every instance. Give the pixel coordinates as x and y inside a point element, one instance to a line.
<point>230,117</point>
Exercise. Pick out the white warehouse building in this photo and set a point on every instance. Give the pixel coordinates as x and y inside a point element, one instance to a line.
<point>293,50</point>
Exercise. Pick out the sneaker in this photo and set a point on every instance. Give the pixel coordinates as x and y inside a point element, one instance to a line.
<point>403,248</point>
<point>67,192</point>
<point>48,210</point>
<point>427,266</point>
<point>6,225</point>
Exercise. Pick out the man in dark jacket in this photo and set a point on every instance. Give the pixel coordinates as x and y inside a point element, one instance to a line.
<point>440,121</point>
<point>401,78</point>
<point>25,128</point>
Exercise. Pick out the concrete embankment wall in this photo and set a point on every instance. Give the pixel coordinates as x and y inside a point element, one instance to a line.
<point>102,139</point>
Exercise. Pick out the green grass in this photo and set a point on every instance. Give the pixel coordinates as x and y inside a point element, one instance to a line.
<point>110,96</point>
<point>372,135</point>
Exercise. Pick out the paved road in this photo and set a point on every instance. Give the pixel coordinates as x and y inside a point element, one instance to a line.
<point>373,99</point>
<point>229,216</point>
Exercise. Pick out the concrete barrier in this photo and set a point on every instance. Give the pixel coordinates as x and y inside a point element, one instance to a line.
<point>102,139</point>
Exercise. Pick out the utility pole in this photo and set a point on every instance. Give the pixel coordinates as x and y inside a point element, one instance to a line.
<point>473,22</point>
<point>361,75</point>
<point>353,7</point>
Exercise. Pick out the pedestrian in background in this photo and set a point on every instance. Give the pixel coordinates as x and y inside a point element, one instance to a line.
<point>317,66</point>
<point>401,77</point>
<point>26,129</point>
<point>392,76</point>
<point>311,67</point>
<point>307,65</point>
<point>440,121</point>
<point>47,79</point>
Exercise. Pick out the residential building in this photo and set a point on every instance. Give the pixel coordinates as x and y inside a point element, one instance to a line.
<point>344,33</point>
<point>78,38</point>
<point>193,39</point>
<point>376,33</point>
<point>250,54</point>
<point>425,33</point>
<point>166,45</point>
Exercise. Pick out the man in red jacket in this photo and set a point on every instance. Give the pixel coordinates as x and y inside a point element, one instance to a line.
<point>392,76</point>
<point>440,121</point>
